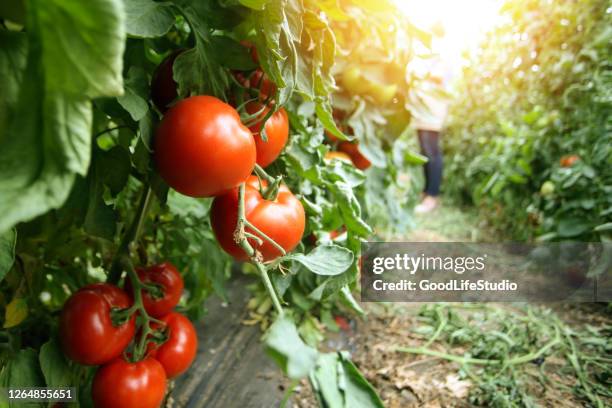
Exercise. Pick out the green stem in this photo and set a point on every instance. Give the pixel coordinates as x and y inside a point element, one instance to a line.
<point>130,236</point>
<point>261,173</point>
<point>241,239</point>
<point>145,327</point>
<point>264,236</point>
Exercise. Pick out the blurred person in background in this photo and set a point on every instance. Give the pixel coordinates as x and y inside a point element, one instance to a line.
<point>430,120</point>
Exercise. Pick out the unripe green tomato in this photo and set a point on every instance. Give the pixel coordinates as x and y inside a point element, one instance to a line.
<point>548,188</point>
<point>383,94</point>
<point>354,82</point>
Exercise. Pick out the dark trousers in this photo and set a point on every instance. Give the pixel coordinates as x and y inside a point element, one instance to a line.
<point>430,147</point>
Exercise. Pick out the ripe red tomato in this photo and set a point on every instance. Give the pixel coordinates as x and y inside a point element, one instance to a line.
<point>163,87</point>
<point>277,131</point>
<point>569,161</point>
<point>178,352</point>
<point>283,220</point>
<point>202,149</point>
<point>129,385</point>
<point>352,149</point>
<point>87,332</point>
<point>168,277</point>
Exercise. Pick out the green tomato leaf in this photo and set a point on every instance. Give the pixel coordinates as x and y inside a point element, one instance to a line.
<point>134,100</point>
<point>16,312</point>
<point>358,392</point>
<point>82,45</point>
<point>254,4</point>
<point>327,260</point>
<point>147,18</point>
<point>7,251</point>
<point>324,114</point>
<point>54,365</point>
<point>75,53</point>
<point>571,227</point>
<point>22,370</point>
<point>287,348</point>
<point>324,379</point>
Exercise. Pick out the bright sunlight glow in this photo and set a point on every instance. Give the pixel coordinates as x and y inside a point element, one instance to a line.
<point>464,23</point>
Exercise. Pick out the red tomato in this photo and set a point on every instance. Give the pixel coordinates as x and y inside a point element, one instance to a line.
<point>277,131</point>
<point>86,329</point>
<point>178,352</point>
<point>359,160</point>
<point>569,161</point>
<point>283,220</point>
<point>202,149</point>
<point>163,87</point>
<point>129,385</point>
<point>168,277</point>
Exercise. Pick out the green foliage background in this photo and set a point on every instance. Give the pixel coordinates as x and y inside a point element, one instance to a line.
<point>539,88</point>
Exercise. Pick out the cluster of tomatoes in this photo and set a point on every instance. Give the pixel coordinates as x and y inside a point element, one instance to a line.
<point>98,327</point>
<point>203,149</point>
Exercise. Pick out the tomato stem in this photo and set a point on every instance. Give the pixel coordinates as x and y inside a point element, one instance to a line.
<point>271,191</point>
<point>255,257</point>
<point>140,348</point>
<point>130,236</point>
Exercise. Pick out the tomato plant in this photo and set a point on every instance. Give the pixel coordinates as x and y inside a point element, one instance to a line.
<point>105,147</point>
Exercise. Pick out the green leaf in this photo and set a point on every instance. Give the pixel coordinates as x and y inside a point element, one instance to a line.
<point>147,18</point>
<point>358,392</point>
<point>600,228</point>
<point>324,380</point>
<point>232,54</point>
<point>75,53</point>
<point>571,227</point>
<point>82,45</point>
<point>134,100</point>
<point>16,312</point>
<point>22,370</point>
<point>327,260</point>
<point>54,365</point>
<point>415,158</point>
<point>254,4</point>
<point>7,251</point>
<point>324,114</point>
<point>350,208</point>
<point>338,383</point>
<point>13,54</point>
<point>287,348</point>
<point>349,300</point>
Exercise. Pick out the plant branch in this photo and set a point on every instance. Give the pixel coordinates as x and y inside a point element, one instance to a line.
<point>130,236</point>
<point>240,236</point>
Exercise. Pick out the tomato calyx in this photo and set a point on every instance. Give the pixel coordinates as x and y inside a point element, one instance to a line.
<point>155,290</point>
<point>120,316</point>
<point>268,186</point>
